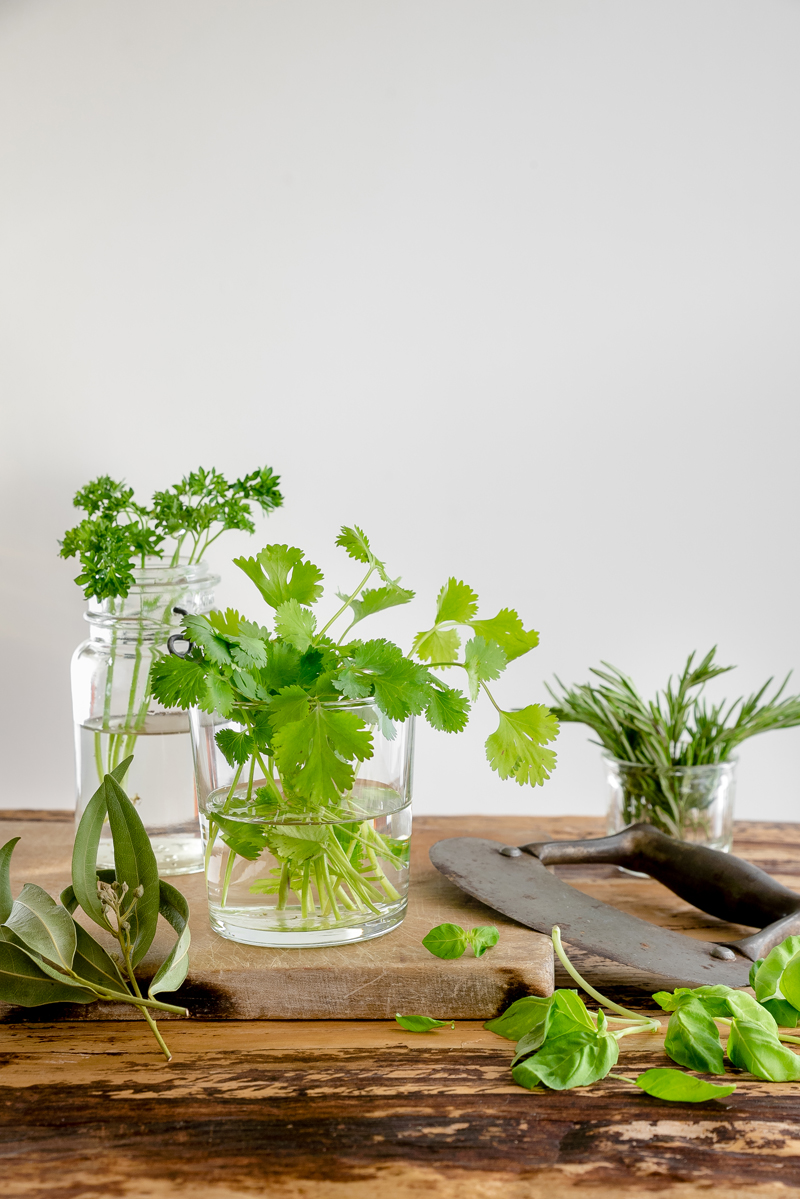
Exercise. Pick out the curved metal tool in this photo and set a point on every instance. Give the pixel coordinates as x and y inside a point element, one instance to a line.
<point>515,881</point>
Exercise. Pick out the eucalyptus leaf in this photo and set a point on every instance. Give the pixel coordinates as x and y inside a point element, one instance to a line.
<point>531,1014</point>
<point>752,1048</point>
<point>6,902</point>
<point>422,1023</point>
<point>84,851</point>
<point>666,1083</point>
<point>93,964</point>
<point>483,938</point>
<point>24,982</point>
<point>692,1039</point>
<point>446,941</point>
<point>175,910</point>
<point>135,864</point>
<point>43,926</point>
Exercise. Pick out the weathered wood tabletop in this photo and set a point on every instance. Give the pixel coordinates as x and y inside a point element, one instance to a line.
<point>356,1109</point>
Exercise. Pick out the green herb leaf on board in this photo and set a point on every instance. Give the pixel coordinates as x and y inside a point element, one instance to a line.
<point>422,1023</point>
<point>666,1083</point>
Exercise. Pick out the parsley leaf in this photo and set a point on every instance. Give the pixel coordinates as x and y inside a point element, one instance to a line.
<point>516,750</point>
<point>178,682</point>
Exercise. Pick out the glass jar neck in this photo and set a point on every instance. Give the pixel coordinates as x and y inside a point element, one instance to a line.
<point>157,590</point>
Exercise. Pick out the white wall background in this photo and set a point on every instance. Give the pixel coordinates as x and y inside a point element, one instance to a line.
<point>513,284</point>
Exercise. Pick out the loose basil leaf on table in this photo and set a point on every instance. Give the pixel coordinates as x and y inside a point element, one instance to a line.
<point>483,938</point>
<point>722,1002</point>
<point>446,941</point>
<point>767,983</point>
<point>665,1083</point>
<point>692,1039</point>
<point>753,1048</point>
<point>527,1016</point>
<point>574,1059</point>
<point>422,1023</point>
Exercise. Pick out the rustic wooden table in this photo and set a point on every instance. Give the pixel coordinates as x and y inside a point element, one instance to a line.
<point>352,1109</point>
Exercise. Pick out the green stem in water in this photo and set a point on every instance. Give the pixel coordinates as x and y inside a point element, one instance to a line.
<point>228,873</point>
<point>653,1025</point>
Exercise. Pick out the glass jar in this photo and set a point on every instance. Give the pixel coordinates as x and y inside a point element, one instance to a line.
<point>281,876</point>
<point>115,714</point>
<point>692,803</point>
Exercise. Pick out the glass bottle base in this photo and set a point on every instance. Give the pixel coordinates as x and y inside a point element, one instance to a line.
<point>250,929</point>
<point>176,853</point>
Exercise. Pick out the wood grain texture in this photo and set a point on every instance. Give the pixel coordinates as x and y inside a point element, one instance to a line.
<point>347,1109</point>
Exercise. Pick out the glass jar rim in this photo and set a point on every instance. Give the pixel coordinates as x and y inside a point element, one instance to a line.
<point>699,768</point>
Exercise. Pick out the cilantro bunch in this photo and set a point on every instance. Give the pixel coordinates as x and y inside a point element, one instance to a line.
<point>117,533</point>
<point>302,701</point>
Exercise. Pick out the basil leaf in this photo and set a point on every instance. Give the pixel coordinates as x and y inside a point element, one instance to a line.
<point>421,1023</point>
<point>574,1060</point>
<point>528,1015</point>
<point>570,1004</point>
<point>483,938</point>
<point>670,1001</point>
<point>23,981</point>
<point>43,926</point>
<point>752,1048</point>
<point>6,902</point>
<point>175,910</point>
<point>767,982</point>
<point>135,864</point>
<point>446,941</point>
<point>790,981</point>
<point>725,1001</point>
<point>666,1083</point>
<point>529,1044</point>
<point>693,1040</point>
<point>754,969</point>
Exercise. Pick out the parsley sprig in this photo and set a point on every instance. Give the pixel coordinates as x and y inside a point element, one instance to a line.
<point>117,533</point>
<point>293,691</point>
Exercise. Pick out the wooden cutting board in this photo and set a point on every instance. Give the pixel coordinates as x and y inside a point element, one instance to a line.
<point>373,980</point>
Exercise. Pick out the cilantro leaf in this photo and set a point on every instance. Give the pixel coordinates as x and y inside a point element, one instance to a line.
<point>315,753</point>
<point>178,682</point>
<point>484,661</point>
<point>437,645</point>
<point>236,746</point>
<point>516,750</point>
<point>295,624</point>
<point>402,688</point>
<point>281,573</point>
<point>288,706</point>
<point>456,601</point>
<point>219,696</point>
<point>447,709</point>
<point>356,544</point>
<point>507,630</point>
<point>244,838</point>
<point>199,631</point>
<point>377,599</point>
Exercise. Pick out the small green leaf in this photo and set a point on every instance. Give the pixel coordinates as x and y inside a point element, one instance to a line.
<point>507,630</point>
<point>178,682</point>
<point>528,1044</point>
<point>447,709</point>
<point>575,1059</point>
<point>6,901</point>
<point>724,1001</point>
<point>84,851</point>
<point>22,981</point>
<point>135,864</point>
<point>751,1047</point>
<point>377,599</point>
<point>531,1014</point>
<point>483,938</point>
<point>422,1023</point>
<point>356,544</point>
<point>172,971</point>
<point>665,1083</point>
<point>437,645</point>
<point>295,624</point>
<point>43,926</point>
<point>571,1005</point>
<point>235,745</point>
<point>456,601</point>
<point>281,573</point>
<point>692,1039</point>
<point>790,981</point>
<point>754,969</point>
<point>768,982</point>
<point>484,661</point>
<point>243,837</point>
<point>446,941</point>
<point>517,750</point>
